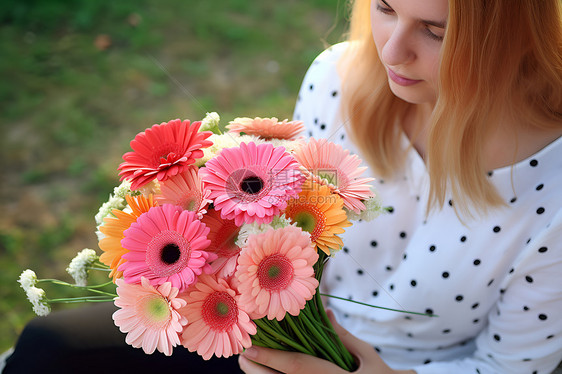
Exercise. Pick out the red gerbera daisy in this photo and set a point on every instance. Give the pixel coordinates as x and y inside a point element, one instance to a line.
<point>223,235</point>
<point>163,151</point>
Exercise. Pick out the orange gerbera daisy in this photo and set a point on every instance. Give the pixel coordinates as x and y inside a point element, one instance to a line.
<point>320,213</point>
<point>266,128</point>
<point>113,229</point>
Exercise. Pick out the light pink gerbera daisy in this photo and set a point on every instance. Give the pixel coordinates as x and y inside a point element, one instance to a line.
<point>266,128</point>
<point>185,190</point>
<point>166,244</point>
<point>329,164</point>
<point>149,315</point>
<point>252,183</point>
<point>275,273</point>
<point>223,235</point>
<point>163,151</point>
<point>216,324</point>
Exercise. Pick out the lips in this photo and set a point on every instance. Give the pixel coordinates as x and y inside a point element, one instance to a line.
<point>400,80</point>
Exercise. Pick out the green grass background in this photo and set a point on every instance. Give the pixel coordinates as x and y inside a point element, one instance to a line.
<point>69,108</point>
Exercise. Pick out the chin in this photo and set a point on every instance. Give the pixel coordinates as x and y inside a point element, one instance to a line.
<point>414,94</point>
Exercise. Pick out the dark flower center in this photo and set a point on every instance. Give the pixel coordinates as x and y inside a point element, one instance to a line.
<point>170,253</point>
<point>251,185</point>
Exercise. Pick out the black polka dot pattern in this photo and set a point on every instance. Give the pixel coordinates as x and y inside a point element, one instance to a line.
<point>466,274</point>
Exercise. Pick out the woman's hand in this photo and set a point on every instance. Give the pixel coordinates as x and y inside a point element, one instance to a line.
<point>259,360</point>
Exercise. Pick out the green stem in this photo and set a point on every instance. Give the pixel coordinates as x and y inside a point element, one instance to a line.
<point>79,299</point>
<point>379,307</point>
<point>87,288</point>
<point>327,324</point>
<point>264,340</point>
<point>100,269</point>
<point>266,327</point>
<point>298,332</point>
<point>333,354</point>
<point>101,264</point>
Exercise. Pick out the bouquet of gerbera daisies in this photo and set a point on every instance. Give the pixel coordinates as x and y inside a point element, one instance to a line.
<point>218,241</point>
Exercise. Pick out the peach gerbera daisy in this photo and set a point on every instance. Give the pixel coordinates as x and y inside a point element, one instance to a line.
<point>251,183</point>
<point>216,324</point>
<point>113,229</point>
<point>185,190</point>
<point>149,315</point>
<point>320,213</point>
<point>166,244</point>
<point>275,273</point>
<point>266,128</point>
<point>163,151</point>
<point>329,164</point>
<point>223,235</point>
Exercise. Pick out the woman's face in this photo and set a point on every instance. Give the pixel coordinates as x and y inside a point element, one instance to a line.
<point>408,35</point>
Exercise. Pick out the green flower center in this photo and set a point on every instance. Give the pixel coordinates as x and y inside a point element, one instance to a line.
<point>219,311</point>
<point>329,176</point>
<point>275,272</point>
<point>191,205</point>
<point>222,308</point>
<point>158,308</point>
<point>154,311</point>
<point>309,218</point>
<point>306,221</point>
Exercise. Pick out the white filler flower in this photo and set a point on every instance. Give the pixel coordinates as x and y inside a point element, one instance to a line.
<point>38,299</point>
<point>28,279</point>
<point>373,209</point>
<point>78,268</point>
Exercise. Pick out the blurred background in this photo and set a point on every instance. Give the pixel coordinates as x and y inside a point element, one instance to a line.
<point>79,79</point>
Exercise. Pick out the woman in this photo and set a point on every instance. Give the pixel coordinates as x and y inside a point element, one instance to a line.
<point>457,107</point>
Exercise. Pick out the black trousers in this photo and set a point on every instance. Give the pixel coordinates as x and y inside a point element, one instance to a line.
<point>85,340</point>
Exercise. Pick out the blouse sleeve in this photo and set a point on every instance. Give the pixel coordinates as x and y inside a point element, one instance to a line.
<point>318,100</point>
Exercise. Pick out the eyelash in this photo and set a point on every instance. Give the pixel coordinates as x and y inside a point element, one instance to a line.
<point>427,32</point>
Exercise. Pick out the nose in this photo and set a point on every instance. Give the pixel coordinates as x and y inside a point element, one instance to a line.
<point>398,49</point>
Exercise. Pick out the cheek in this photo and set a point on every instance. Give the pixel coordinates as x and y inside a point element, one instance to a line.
<point>379,37</point>
<point>433,69</point>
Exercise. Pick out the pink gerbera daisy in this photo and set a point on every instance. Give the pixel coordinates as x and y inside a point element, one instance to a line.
<point>163,151</point>
<point>252,183</point>
<point>149,315</point>
<point>329,164</point>
<point>223,235</point>
<point>185,190</point>
<point>275,273</point>
<point>166,244</point>
<point>216,324</point>
<point>266,128</point>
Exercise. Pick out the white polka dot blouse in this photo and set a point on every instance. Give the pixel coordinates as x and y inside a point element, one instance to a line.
<point>494,283</point>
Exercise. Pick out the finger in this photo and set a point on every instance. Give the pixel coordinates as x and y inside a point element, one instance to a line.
<point>250,367</point>
<point>289,362</point>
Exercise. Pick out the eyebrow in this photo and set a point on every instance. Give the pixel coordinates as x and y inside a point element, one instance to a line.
<point>438,24</point>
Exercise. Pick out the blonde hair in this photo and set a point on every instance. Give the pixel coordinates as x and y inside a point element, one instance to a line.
<point>497,57</point>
